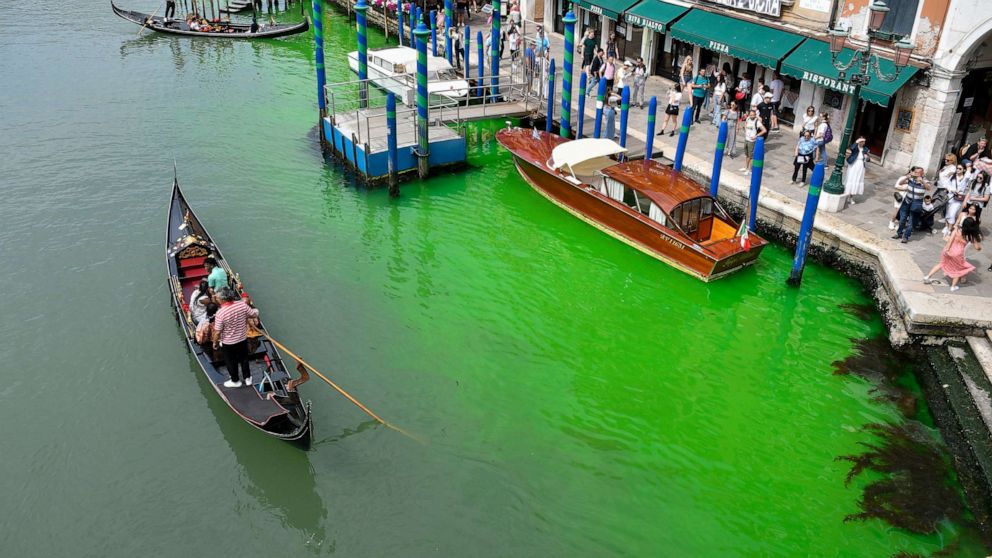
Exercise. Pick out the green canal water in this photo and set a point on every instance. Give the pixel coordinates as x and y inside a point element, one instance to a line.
<point>576,397</point>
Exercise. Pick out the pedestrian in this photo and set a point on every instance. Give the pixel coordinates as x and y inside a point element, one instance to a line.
<point>685,72</point>
<point>170,9</point>
<point>610,71</point>
<point>672,109</point>
<point>753,129</point>
<point>759,93</point>
<point>975,151</point>
<point>620,80</point>
<point>463,14</point>
<point>978,194</point>
<point>952,260</point>
<point>743,93</point>
<point>515,12</point>
<point>854,174</point>
<point>958,187</point>
<point>823,136</point>
<point>595,72</point>
<point>719,100</point>
<point>231,326</point>
<point>710,75</point>
<point>216,276</point>
<point>530,65</point>
<point>733,119</point>
<point>588,47</point>
<point>809,120</point>
<point>610,118</point>
<point>542,45</point>
<point>728,76</point>
<point>198,301</point>
<point>640,76</point>
<point>699,86</point>
<point>947,172</point>
<point>911,208</point>
<point>805,150</point>
<point>513,41</point>
<point>456,45</point>
<point>765,109</point>
<point>611,46</point>
<point>778,87</point>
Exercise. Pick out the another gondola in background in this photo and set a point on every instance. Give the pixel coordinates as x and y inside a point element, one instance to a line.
<point>224,29</point>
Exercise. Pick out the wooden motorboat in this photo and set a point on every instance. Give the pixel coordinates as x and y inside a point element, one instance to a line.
<point>394,69</point>
<point>224,30</point>
<point>646,204</point>
<point>271,403</point>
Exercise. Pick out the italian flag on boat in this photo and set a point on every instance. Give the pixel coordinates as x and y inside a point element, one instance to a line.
<point>743,234</point>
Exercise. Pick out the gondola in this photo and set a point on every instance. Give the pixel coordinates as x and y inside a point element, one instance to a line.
<point>271,403</point>
<point>229,30</point>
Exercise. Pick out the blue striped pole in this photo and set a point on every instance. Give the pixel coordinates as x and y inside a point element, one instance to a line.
<point>683,138</point>
<point>806,228</point>
<point>757,165</point>
<point>624,109</point>
<point>494,53</point>
<point>721,144</point>
<point>550,121</point>
<point>414,22</point>
<point>423,144</point>
<point>581,113</point>
<point>649,144</point>
<point>448,16</point>
<point>363,53</point>
<point>391,142</point>
<point>468,51</point>
<point>600,97</point>
<point>399,22</point>
<point>481,45</point>
<point>433,16</point>
<point>318,54</point>
<point>566,80</point>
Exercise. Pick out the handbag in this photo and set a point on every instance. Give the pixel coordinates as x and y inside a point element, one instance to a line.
<point>802,159</point>
<point>740,95</point>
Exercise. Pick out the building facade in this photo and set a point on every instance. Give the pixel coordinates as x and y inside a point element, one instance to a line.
<point>939,102</point>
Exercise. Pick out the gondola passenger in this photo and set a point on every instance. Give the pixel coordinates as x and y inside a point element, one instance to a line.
<point>216,276</point>
<point>198,302</point>
<point>231,325</point>
<point>206,336</point>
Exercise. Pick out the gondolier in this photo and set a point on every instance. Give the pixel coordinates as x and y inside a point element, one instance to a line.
<point>170,9</point>
<point>231,325</point>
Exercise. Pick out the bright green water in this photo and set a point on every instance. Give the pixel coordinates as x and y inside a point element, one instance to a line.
<point>579,398</point>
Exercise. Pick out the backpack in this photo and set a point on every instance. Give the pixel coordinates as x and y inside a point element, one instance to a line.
<point>828,135</point>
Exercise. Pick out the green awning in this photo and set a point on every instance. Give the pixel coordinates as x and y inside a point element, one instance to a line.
<point>812,62</point>
<point>654,14</point>
<point>741,39</point>
<point>609,8</point>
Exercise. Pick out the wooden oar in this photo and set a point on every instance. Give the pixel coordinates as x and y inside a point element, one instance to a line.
<point>343,392</point>
<point>143,25</point>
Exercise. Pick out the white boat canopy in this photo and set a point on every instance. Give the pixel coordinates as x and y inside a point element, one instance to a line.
<point>585,156</point>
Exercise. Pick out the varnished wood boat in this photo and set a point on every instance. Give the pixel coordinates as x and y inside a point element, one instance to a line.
<point>645,204</point>
<point>271,403</point>
<point>226,30</point>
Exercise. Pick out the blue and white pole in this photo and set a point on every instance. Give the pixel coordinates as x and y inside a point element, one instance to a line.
<point>757,165</point>
<point>391,142</point>
<point>363,53</point>
<point>318,54</point>
<point>649,144</point>
<point>581,113</point>
<point>721,144</point>
<point>624,109</point>
<point>566,80</point>
<point>448,16</point>
<point>806,228</point>
<point>683,138</point>
<point>423,145</point>
<point>549,124</point>
<point>494,52</point>
<point>600,98</point>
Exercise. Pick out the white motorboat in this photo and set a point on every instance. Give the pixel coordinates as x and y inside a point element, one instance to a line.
<point>394,69</point>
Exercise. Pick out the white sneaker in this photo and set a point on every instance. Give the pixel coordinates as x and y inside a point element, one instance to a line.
<point>892,225</point>
<point>852,201</point>
<point>748,173</point>
<point>230,384</point>
<point>247,381</point>
<point>743,169</point>
<point>954,288</point>
<point>944,231</point>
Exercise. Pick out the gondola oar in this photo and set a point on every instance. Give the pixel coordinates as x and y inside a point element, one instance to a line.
<point>342,392</point>
<point>150,18</point>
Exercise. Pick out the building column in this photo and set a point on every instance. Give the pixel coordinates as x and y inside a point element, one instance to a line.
<point>935,117</point>
<point>647,42</point>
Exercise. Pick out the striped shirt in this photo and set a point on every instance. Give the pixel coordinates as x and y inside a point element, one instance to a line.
<point>915,190</point>
<point>231,322</point>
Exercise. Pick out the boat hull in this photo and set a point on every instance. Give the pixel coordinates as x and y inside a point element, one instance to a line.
<point>241,31</point>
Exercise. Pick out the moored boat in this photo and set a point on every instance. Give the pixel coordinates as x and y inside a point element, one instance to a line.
<point>645,204</point>
<point>394,69</point>
<point>219,29</point>
<point>270,402</point>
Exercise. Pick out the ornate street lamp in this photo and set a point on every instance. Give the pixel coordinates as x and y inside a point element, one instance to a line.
<point>865,63</point>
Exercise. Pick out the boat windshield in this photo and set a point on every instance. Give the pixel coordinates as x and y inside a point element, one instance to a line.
<point>695,217</point>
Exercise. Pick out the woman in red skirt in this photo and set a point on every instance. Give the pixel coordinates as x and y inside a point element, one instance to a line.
<point>952,256</point>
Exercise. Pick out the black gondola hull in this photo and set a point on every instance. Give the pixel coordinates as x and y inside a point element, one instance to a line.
<point>238,30</point>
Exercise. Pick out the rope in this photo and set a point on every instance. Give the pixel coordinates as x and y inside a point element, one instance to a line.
<point>367,411</point>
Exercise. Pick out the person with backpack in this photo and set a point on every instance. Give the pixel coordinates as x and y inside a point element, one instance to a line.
<point>824,135</point>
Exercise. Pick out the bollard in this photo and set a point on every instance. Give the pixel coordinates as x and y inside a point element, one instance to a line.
<point>363,53</point>
<point>581,113</point>
<point>649,144</point>
<point>391,143</point>
<point>433,16</point>
<point>624,108</point>
<point>399,22</point>
<point>550,120</point>
<point>806,228</point>
<point>318,54</point>
<point>757,165</point>
<point>480,48</point>
<point>683,139</point>
<point>721,143</point>
<point>423,144</point>
<point>600,97</point>
<point>494,52</point>
<point>566,81</point>
<point>448,16</point>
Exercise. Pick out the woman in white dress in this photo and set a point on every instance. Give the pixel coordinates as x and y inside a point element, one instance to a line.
<point>854,179</point>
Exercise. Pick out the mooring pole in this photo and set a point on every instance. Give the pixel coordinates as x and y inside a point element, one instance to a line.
<point>481,55</point>
<point>806,228</point>
<point>318,54</point>
<point>550,120</point>
<point>580,115</point>
<point>448,16</point>
<point>363,53</point>
<point>467,47</point>
<point>600,97</point>
<point>624,109</point>
<point>494,49</point>
<point>757,165</point>
<point>721,143</point>
<point>414,22</point>
<point>423,144</point>
<point>566,80</point>
<point>399,22</point>
<point>683,139</point>
<point>433,16</point>
<point>649,144</point>
<point>391,143</point>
